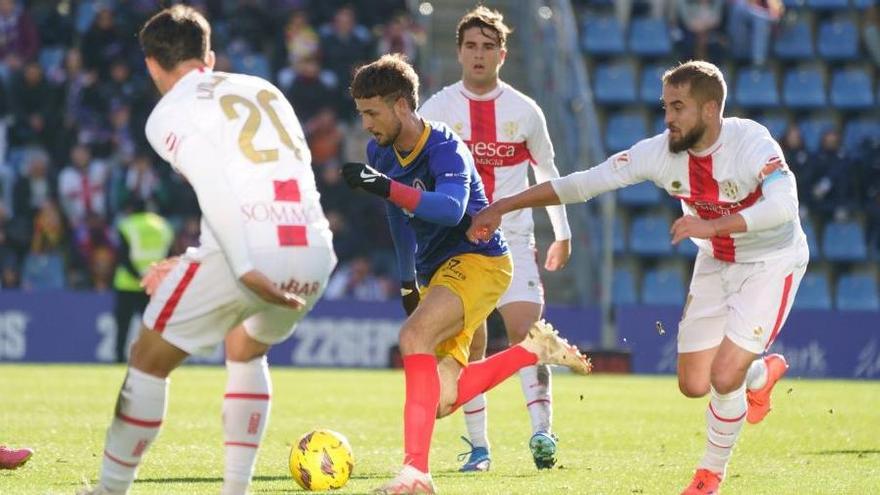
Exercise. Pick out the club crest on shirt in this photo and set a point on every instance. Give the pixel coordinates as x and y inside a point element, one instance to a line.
<point>418,185</point>
<point>729,189</point>
<point>509,129</point>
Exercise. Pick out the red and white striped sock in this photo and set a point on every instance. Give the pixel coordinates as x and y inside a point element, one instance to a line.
<point>725,417</point>
<point>475,419</point>
<point>245,414</point>
<point>535,382</point>
<point>140,410</point>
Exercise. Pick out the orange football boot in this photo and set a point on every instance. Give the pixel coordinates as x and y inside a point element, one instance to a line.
<point>759,400</point>
<point>705,482</point>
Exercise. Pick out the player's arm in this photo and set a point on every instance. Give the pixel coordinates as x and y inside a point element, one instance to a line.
<point>444,206</point>
<point>404,240</point>
<point>618,171</point>
<point>779,205</point>
<point>541,149</point>
<point>196,157</point>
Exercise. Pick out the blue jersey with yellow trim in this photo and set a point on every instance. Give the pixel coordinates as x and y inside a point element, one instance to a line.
<point>439,158</point>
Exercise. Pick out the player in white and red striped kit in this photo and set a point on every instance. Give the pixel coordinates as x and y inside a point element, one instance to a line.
<point>741,208</point>
<point>265,255</point>
<point>507,135</point>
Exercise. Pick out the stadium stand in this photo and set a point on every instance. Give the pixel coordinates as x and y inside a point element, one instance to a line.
<point>821,77</point>
<point>80,83</point>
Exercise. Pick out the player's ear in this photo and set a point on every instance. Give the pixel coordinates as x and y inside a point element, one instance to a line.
<point>153,67</point>
<point>502,53</point>
<point>401,108</point>
<point>210,59</point>
<point>710,109</point>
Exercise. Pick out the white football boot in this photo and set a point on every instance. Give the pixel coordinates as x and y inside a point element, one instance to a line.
<point>99,490</point>
<point>550,348</point>
<point>408,481</point>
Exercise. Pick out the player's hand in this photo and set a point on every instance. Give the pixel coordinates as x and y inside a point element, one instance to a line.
<point>557,255</point>
<point>156,273</point>
<point>266,290</point>
<point>691,226</point>
<point>361,175</point>
<point>484,224</point>
<point>409,294</point>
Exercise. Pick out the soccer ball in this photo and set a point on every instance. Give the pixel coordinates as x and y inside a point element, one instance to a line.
<point>321,460</point>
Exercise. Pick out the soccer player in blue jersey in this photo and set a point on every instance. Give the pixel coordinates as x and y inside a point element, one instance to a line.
<point>433,189</point>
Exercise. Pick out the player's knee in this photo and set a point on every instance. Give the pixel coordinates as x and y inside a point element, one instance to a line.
<point>407,341</point>
<point>445,408</point>
<point>447,404</point>
<point>518,334</point>
<point>693,388</point>
<point>413,341</point>
<point>243,355</point>
<point>725,382</point>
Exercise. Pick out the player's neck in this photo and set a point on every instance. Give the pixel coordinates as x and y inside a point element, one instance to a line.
<point>179,72</point>
<point>480,88</point>
<point>410,132</point>
<point>710,137</point>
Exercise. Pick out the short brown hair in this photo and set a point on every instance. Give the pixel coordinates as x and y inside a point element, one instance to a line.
<point>390,77</point>
<point>484,18</point>
<point>174,35</point>
<point>705,79</point>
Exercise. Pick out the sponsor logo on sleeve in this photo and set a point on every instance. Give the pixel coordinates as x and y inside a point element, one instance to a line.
<point>620,161</point>
<point>773,164</point>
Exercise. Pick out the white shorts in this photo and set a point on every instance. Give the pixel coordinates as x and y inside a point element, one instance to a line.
<point>526,283</point>
<point>200,300</point>
<point>745,302</point>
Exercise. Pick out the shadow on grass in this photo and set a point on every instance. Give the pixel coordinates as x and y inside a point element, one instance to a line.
<point>207,479</point>
<point>845,452</point>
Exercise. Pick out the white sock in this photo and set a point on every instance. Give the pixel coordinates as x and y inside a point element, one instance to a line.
<point>475,418</point>
<point>756,377</point>
<point>535,382</point>
<point>245,414</point>
<point>725,417</point>
<point>140,410</point>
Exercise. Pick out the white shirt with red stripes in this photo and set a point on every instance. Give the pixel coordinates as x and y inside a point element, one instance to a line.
<point>743,172</point>
<point>238,142</point>
<point>507,133</point>
<point>83,191</point>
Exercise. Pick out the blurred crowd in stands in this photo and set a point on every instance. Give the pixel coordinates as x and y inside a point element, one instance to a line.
<point>74,97</point>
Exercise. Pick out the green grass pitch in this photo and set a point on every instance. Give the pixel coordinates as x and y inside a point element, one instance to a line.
<point>618,434</point>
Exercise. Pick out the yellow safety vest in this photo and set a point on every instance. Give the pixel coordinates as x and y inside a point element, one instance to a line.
<point>149,236</point>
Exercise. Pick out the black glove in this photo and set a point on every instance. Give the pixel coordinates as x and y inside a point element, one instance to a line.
<point>367,178</point>
<point>409,293</point>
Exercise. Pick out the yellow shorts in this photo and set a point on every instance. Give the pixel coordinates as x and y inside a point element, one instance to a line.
<point>479,281</point>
